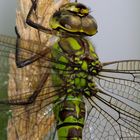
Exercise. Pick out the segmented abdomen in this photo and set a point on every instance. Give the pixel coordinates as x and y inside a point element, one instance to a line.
<point>70,116</point>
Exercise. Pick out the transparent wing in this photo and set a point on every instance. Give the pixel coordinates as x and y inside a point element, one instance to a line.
<point>19,118</point>
<point>122,79</point>
<point>114,112</point>
<point>32,122</point>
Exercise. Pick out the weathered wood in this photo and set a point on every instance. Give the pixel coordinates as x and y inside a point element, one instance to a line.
<point>31,125</point>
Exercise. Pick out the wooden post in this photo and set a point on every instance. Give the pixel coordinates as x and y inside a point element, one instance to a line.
<point>29,122</point>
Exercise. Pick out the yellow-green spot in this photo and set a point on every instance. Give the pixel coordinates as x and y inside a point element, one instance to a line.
<point>91,47</point>
<point>77,59</point>
<point>77,110</point>
<point>75,68</point>
<point>78,53</point>
<point>69,90</point>
<point>77,81</point>
<point>84,11</point>
<point>97,62</point>
<point>84,66</point>
<point>73,43</point>
<point>80,82</point>
<point>63,59</point>
<point>91,84</point>
<point>82,74</point>
<point>60,66</point>
<point>80,62</point>
<point>87,93</point>
<point>93,63</point>
<point>94,55</point>
<point>94,71</point>
<point>83,82</point>
<point>72,82</point>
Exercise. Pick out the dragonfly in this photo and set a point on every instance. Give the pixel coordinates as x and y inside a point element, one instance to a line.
<point>66,92</point>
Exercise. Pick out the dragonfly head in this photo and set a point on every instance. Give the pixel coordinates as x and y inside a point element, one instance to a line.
<point>74,18</point>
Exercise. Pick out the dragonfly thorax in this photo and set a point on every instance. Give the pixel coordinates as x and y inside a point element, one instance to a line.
<point>80,64</point>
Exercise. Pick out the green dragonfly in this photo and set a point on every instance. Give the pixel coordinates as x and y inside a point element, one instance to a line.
<point>65,91</point>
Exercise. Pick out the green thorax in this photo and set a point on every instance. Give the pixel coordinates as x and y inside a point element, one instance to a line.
<point>76,63</point>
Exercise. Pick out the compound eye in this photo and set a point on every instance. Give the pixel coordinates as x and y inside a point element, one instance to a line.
<point>71,22</point>
<point>89,25</point>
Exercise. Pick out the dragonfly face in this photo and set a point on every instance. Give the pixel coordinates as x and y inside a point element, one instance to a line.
<point>74,18</point>
<point>63,89</point>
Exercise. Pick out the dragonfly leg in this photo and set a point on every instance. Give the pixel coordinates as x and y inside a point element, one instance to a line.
<point>29,60</point>
<point>36,25</point>
<point>39,88</point>
<point>31,99</point>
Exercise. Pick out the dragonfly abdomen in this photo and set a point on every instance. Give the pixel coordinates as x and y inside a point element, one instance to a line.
<point>70,116</point>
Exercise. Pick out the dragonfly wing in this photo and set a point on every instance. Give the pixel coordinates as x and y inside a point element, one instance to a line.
<point>30,124</point>
<point>114,111</point>
<point>111,119</point>
<point>121,78</point>
<point>26,51</point>
<point>24,80</point>
<point>17,85</point>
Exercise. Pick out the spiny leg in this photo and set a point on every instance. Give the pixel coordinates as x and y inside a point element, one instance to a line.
<point>32,97</point>
<point>36,25</point>
<point>31,59</point>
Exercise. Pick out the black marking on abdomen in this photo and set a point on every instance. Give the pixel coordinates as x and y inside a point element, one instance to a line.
<point>69,124</point>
